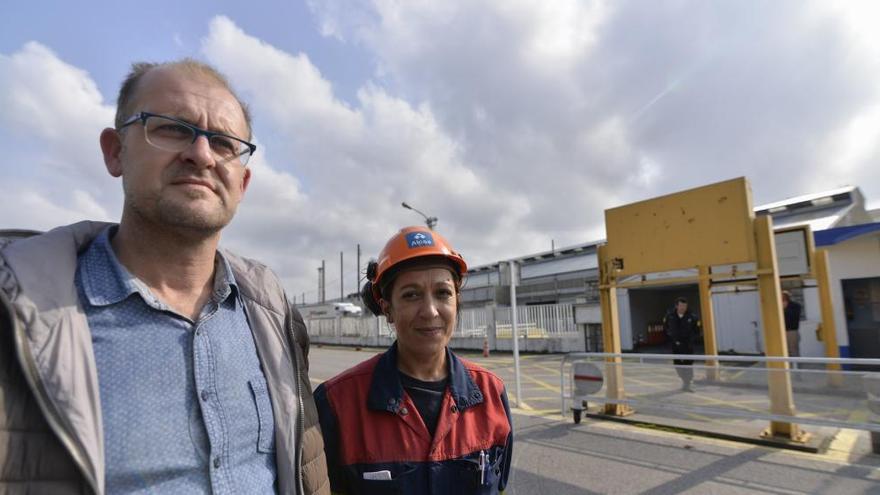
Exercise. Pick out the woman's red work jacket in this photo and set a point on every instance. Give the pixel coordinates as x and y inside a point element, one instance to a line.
<point>376,441</point>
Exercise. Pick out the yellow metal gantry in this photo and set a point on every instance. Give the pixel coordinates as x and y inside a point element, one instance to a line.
<point>775,343</point>
<point>719,224</point>
<point>611,337</point>
<point>708,319</point>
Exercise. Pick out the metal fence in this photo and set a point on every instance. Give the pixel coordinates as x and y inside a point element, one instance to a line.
<point>736,389</point>
<point>547,328</point>
<point>473,323</point>
<point>333,330</point>
<point>536,322</point>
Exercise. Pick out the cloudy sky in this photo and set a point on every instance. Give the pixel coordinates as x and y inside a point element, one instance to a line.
<point>515,122</point>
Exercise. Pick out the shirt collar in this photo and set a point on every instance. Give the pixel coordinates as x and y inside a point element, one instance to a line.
<point>224,280</point>
<point>386,391</point>
<point>106,281</point>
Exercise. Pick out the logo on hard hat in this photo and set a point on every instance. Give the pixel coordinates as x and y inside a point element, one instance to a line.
<point>419,239</point>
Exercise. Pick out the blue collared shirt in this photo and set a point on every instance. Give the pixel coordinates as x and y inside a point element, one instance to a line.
<point>185,404</point>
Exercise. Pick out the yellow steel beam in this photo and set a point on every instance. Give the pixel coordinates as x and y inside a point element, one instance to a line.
<point>721,277</point>
<point>611,337</point>
<point>708,321</point>
<point>779,380</point>
<point>828,330</point>
<point>716,219</point>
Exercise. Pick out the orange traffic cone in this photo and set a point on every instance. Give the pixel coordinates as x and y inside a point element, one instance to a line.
<point>486,347</point>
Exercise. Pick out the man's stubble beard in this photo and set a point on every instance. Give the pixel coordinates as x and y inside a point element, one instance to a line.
<point>167,212</point>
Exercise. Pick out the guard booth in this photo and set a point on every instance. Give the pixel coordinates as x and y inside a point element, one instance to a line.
<point>709,238</point>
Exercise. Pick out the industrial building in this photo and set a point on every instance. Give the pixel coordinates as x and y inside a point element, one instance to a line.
<point>840,222</point>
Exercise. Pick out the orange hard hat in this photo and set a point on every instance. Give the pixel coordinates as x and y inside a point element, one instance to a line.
<point>408,244</point>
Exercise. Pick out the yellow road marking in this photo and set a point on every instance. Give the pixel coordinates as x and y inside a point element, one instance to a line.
<point>712,400</point>
<point>547,368</point>
<point>699,416</point>
<point>842,445</point>
<point>734,376</point>
<point>859,416</point>
<point>656,384</point>
<point>541,383</point>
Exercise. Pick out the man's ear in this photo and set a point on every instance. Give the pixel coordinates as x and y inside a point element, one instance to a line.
<point>111,147</point>
<point>245,180</point>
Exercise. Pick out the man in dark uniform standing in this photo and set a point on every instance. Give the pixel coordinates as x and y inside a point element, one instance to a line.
<point>792,312</point>
<point>682,327</point>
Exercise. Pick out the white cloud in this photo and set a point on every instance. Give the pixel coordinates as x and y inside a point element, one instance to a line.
<point>52,116</point>
<point>587,104</point>
<point>28,208</point>
<point>352,165</point>
<point>514,122</point>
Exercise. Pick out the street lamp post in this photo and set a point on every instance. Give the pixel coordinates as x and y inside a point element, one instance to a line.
<point>430,221</point>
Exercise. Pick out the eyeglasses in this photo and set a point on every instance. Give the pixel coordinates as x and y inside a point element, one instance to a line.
<point>170,134</point>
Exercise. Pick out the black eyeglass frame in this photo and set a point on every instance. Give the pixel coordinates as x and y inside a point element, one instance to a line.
<point>197,131</point>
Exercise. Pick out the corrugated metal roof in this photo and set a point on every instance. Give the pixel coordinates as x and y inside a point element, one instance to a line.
<point>806,197</point>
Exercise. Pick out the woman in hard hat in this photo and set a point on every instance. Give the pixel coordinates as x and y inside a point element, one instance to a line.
<point>416,419</point>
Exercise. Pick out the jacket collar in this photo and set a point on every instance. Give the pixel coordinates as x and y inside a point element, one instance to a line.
<point>386,391</point>
<point>106,281</point>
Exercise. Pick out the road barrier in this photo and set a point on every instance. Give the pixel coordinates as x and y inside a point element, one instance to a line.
<point>737,387</point>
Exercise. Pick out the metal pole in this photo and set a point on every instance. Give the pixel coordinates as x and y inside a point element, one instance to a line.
<point>430,221</point>
<point>341,279</point>
<point>320,283</point>
<point>778,377</point>
<point>514,331</point>
<point>323,281</point>
<point>357,286</point>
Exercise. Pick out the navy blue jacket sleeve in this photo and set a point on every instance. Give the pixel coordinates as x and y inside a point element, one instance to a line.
<point>508,449</point>
<point>330,432</point>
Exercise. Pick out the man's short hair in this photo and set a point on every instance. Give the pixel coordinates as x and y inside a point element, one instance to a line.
<point>680,300</point>
<point>128,90</point>
<point>786,295</point>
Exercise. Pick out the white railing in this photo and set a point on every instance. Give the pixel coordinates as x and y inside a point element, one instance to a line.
<point>535,322</point>
<point>473,323</point>
<point>548,328</point>
<point>325,329</point>
<point>821,394</point>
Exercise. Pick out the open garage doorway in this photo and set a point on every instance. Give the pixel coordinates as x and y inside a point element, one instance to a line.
<point>647,307</point>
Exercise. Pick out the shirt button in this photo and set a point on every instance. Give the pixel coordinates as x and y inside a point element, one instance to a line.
<point>403,411</point>
<point>216,462</point>
<point>205,395</point>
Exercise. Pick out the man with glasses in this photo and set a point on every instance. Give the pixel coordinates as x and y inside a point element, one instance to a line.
<point>138,357</point>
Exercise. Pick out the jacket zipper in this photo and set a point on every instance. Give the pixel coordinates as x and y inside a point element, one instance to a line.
<point>300,420</point>
<point>29,369</point>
